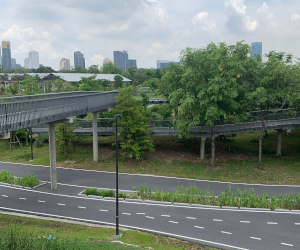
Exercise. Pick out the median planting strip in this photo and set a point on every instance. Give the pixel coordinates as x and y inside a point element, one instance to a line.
<point>194,196</point>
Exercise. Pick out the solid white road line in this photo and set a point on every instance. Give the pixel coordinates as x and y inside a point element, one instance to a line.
<point>22,198</point>
<point>217,220</point>
<point>126,213</point>
<point>175,222</point>
<point>254,238</point>
<point>245,221</point>
<point>199,227</point>
<point>141,213</point>
<point>82,207</point>
<point>3,195</point>
<point>41,201</point>
<point>191,218</point>
<point>165,215</point>
<point>297,224</point>
<point>272,223</point>
<point>149,217</point>
<point>223,232</point>
<point>103,210</point>
<point>286,244</point>
<point>60,204</point>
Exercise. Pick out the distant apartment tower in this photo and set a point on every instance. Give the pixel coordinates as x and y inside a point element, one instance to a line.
<point>27,63</point>
<point>106,60</point>
<point>164,63</point>
<point>13,63</point>
<point>18,66</point>
<point>130,63</point>
<point>34,59</point>
<point>79,60</point>
<point>6,55</point>
<point>256,49</point>
<point>0,57</point>
<point>64,64</point>
<point>119,58</point>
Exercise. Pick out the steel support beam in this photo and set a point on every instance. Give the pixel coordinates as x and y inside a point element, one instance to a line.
<point>95,137</point>
<point>52,153</point>
<point>202,148</point>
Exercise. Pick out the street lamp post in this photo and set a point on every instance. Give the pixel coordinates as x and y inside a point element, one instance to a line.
<point>117,182</point>
<point>31,159</point>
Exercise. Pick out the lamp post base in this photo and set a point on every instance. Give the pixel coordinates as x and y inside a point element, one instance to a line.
<point>117,236</point>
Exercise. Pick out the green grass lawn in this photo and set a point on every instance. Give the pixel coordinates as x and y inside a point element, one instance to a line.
<point>236,162</point>
<point>83,237</point>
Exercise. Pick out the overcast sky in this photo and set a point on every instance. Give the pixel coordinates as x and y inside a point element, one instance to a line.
<point>149,30</point>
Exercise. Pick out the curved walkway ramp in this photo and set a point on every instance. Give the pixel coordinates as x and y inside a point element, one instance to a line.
<point>27,111</point>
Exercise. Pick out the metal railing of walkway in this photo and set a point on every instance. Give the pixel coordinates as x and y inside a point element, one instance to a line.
<point>283,121</point>
<point>28,111</point>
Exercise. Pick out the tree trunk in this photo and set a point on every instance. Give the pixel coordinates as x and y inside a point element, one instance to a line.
<point>260,143</point>
<point>213,147</point>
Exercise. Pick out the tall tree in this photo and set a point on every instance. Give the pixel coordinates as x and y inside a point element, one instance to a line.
<point>31,85</point>
<point>118,81</point>
<point>135,125</point>
<point>110,68</point>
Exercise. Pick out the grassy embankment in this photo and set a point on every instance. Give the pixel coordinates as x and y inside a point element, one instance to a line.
<point>69,236</point>
<point>175,157</point>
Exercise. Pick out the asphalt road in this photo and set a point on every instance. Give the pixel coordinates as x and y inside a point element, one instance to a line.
<point>90,178</point>
<point>225,228</point>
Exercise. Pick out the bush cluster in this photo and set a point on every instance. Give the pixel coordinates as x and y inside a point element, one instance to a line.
<point>28,180</point>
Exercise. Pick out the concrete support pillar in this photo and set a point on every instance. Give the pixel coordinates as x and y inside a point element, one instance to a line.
<point>95,137</point>
<point>279,141</point>
<point>52,153</point>
<point>202,148</point>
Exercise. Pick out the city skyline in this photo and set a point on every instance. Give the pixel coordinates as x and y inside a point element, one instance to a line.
<point>149,30</point>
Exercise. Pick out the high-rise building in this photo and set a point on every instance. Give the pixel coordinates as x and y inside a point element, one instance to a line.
<point>256,49</point>
<point>165,63</point>
<point>119,58</point>
<point>0,57</point>
<point>106,60</point>
<point>6,55</point>
<point>130,63</point>
<point>27,63</point>
<point>79,60</point>
<point>34,59</point>
<point>13,63</point>
<point>18,66</point>
<point>64,64</point>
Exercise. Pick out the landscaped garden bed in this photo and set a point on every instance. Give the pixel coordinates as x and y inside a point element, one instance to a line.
<point>194,195</point>
<point>28,180</point>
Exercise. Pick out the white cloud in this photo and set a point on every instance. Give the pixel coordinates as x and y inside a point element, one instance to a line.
<point>156,45</point>
<point>236,6</point>
<point>97,59</point>
<point>200,17</point>
<point>263,8</point>
<point>295,17</point>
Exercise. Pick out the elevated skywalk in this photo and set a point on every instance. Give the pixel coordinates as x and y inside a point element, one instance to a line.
<point>28,111</point>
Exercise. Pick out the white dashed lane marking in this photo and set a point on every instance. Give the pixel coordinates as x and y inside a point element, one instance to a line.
<point>126,213</point>
<point>174,222</point>
<point>41,201</point>
<point>245,221</point>
<point>286,244</point>
<point>199,227</point>
<point>165,215</point>
<point>22,198</point>
<point>223,232</point>
<point>3,195</point>
<point>101,210</point>
<point>191,218</point>
<point>297,224</point>
<point>254,238</point>
<point>272,223</point>
<point>217,220</point>
<point>81,207</point>
<point>60,204</point>
<point>149,217</point>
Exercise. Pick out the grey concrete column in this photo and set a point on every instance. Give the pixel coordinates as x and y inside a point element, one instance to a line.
<point>202,148</point>
<point>52,153</point>
<point>279,141</point>
<point>95,137</point>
